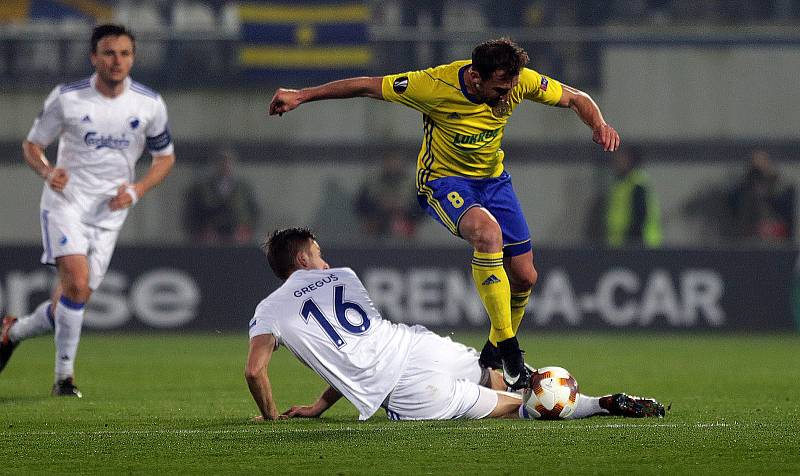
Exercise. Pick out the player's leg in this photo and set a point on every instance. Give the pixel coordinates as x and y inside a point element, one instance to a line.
<point>517,251</point>
<point>15,330</point>
<point>39,322</point>
<point>80,276</point>
<point>482,231</point>
<point>618,404</point>
<point>59,238</point>
<point>425,393</point>
<point>455,202</point>
<point>523,276</point>
<point>501,201</point>
<point>509,405</point>
<point>73,273</point>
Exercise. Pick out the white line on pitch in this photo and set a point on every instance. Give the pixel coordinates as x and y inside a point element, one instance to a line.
<point>368,429</point>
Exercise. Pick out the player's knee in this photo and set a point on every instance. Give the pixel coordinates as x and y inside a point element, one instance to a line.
<point>77,289</point>
<point>522,274</point>
<point>525,281</point>
<point>487,237</point>
<point>531,278</point>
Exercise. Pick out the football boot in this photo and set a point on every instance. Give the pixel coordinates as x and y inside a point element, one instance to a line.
<point>516,374</point>
<point>6,346</point>
<point>490,357</point>
<point>66,388</point>
<point>631,406</point>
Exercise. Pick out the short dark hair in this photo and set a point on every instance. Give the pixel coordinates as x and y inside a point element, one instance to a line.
<point>282,246</point>
<point>498,55</point>
<point>108,29</point>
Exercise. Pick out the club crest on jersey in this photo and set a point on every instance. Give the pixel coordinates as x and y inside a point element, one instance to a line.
<point>544,84</point>
<point>400,84</point>
<point>501,109</point>
<point>134,122</point>
<point>97,141</point>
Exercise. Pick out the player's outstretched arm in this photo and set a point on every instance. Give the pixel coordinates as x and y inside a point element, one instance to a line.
<point>286,100</point>
<point>589,112</point>
<point>325,401</point>
<point>261,348</point>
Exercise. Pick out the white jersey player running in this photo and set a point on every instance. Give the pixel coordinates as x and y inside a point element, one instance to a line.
<point>325,317</point>
<point>103,124</point>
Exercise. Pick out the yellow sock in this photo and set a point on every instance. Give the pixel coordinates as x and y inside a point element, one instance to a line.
<point>519,301</point>
<point>495,292</point>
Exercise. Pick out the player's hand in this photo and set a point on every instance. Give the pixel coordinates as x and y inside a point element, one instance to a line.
<point>606,136</point>
<point>127,196</point>
<point>301,411</point>
<point>57,179</point>
<point>283,101</point>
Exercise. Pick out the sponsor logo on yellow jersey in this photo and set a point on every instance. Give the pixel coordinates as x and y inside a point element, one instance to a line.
<point>478,140</point>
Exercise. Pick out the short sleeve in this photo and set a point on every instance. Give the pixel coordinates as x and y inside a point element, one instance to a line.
<point>415,89</point>
<point>50,122</point>
<point>540,88</point>
<point>263,321</point>
<point>159,140</point>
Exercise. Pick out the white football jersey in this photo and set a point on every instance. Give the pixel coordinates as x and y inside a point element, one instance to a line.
<point>100,140</point>
<point>328,321</point>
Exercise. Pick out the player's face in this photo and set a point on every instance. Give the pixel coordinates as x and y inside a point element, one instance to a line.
<point>314,257</point>
<point>113,59</point>
<point>497,88</point>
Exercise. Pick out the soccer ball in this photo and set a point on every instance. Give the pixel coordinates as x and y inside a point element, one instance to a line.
<point>552,394</point>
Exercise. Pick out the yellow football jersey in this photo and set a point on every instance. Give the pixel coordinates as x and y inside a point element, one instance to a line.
<point>461,138</point>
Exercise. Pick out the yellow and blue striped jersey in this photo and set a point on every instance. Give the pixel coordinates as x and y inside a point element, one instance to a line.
<point>462,138</point>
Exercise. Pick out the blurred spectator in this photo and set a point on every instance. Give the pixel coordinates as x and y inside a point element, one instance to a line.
<point>221,208</point>
<point>384,203</point>
<point>632,214</point>
<point>761,206</point>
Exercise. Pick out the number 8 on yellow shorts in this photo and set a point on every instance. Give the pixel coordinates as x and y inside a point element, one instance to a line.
<point>447,199</point>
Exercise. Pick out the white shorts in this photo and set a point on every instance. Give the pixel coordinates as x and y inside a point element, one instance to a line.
<point>63,235</point>
<point>440,382</point>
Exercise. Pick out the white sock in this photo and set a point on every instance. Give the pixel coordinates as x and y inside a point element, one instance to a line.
<point>69,318</point>
<point>34,324</point>
<point>586,406</point>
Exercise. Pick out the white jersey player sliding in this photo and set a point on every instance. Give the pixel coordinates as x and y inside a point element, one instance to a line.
<point>103,124</point>
<point>325,317</point>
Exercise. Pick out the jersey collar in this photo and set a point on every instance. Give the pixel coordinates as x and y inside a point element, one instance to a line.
<point>93,83</point>
<point>461,73</point>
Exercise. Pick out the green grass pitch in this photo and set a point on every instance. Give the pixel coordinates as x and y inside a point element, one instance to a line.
<point>174,404</point>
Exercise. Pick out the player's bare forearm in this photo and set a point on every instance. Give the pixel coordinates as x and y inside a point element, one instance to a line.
<point>325,401</point>
<point>286,100</point>
<point>328,398</point>
<point>345,88</point>
<point>129,194</point>
<point>587,110</point>
<point>35,158</point>
<point>583,105</point>
<point>261,390</point>
<point>258,357</point>
<point>33,154</point>
<point>159,169</point>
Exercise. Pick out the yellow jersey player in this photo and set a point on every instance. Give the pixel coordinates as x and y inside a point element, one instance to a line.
<point>461,182</point>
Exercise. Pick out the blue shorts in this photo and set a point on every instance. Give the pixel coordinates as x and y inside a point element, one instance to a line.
<point>447,199</point>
